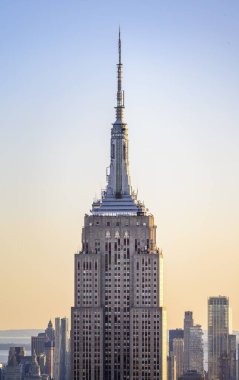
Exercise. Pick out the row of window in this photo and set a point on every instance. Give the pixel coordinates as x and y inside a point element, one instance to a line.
<point>116,224</point>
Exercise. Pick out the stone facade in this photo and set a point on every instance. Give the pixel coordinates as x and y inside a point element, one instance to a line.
<point>117,290</point>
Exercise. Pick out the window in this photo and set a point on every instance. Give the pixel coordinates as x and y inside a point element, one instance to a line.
<point>97,246</point>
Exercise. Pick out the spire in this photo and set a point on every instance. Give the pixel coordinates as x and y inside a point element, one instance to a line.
<point>119,47</point>
<point>118,198</point>
<point>120,92</point>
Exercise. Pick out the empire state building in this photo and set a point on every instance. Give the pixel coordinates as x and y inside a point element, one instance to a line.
<point>118,320</point>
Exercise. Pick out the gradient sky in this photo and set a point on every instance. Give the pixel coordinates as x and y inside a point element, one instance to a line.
<point>57,93</point>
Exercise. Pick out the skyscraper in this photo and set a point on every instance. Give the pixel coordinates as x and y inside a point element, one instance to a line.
<point>196,349</point>
<point>188,323</point>
<point>65,350</point>
<point>178,349</point>
<point>172,367</point>
<point>232,344</point>
<point>49,352</point>
<point>50,332</point>
<point>174,334</point>
<point>62,350</point>
<point>218,330</point>
<point>57,350</point>
<point>118,320</point>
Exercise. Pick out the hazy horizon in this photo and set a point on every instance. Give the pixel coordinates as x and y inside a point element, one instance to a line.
<point>57,98</point>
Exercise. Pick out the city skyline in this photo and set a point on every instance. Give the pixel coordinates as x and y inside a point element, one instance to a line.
<point>183,156</point>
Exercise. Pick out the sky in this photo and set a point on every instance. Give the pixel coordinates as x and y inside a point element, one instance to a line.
<point>57,96</point>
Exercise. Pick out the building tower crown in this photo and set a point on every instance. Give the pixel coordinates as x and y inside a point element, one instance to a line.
<point>118,198</point>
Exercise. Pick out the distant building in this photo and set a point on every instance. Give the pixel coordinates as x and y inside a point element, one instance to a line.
<point>178,349</point>
<point>15,355</point>
<point>57,350</point>
<point>172,367</point>
<point>13,369</point>
<point>174,334</point>
<point>227,360</point>
<point>62,350</point>
<point>193,359</point>
<point>31,368</point>
<point>192,375</point>
<point>21,367</point>
<point>232,357</point>
<point>38,344</point>
<point>196,349</point>
<point>238,362</point>
<point>49,353</point>
<point>218,331</point>
<point>42,362</point>
<point>65,350</point>
<point>13,372</point>
<point>188,323</point>
<point>42,346</point>
<point>50,332</point>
